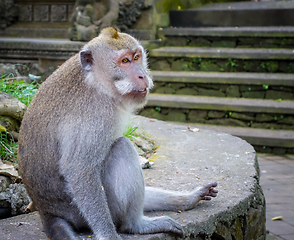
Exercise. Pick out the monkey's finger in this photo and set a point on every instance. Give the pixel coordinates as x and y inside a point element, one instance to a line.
<point>212,194</point>
<point>206,198</point>
<point>213,191</point>
<point>212,185</point>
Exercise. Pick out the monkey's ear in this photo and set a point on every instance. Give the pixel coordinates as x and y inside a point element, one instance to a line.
<point>86,59</point>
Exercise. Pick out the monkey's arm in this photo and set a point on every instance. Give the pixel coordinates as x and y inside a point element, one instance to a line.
<point>163,200</point>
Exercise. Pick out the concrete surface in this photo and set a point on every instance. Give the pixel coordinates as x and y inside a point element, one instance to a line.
<point>277,178</point>
<point>183,161</point>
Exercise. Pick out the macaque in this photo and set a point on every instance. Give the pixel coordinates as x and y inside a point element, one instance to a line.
<point>76,166</point>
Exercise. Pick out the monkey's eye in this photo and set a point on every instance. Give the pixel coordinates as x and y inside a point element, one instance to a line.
<point>125,60</point>
<point>136,57</point>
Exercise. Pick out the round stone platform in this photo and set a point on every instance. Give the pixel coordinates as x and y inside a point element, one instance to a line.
<point>184,160</point>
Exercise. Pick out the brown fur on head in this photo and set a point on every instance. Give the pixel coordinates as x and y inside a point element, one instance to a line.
<point>117,40</point>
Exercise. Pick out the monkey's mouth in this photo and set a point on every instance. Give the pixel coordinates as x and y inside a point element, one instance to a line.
<point>141,92</point>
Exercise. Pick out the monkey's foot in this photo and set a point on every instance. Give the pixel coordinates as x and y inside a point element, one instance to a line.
<point>208,191</point>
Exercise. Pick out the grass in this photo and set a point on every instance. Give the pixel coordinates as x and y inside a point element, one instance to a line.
<point>21,90</point>
<point>24,92</point>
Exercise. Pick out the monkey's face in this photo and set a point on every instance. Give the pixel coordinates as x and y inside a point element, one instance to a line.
<point>116,64</point>
<point>133,78</point>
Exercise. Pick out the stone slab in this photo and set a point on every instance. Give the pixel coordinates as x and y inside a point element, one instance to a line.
<point>259,137</point>
<point>266,13</point>
<point>183,161</point>
<point>271,31</point>
<point>221,104</point>
<point>235,53</point>
<point>278,79</point>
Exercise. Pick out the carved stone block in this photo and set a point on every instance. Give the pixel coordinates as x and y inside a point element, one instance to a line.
<point>25,13</point>
<point>41,13</point>
<point>58,13</point>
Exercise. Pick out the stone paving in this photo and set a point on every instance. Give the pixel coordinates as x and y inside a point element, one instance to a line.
<point>277,179</point>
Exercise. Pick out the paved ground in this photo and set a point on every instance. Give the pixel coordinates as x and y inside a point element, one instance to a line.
<point>277,181</point>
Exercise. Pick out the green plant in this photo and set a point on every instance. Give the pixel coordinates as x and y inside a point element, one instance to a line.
<point>130,132</point>
<point>8,147</point>
<point>21,90</point>
<point>232,63</point>
<point>265,86</point>
<point>157,109</point>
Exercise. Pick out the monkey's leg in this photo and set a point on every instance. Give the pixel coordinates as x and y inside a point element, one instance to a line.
<point>163,200</point>
<point>57,228</point>
<point>124,185</point>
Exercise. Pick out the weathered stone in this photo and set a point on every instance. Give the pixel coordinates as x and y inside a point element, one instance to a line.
<point>226,122</point>
<point>260,117</point>
<point>176,41</point>
<point>279,151</point>
<point>224,43</point>
<point>165,90</point>
<point>246,88</point>
<point>290,150</point>
<point>263,149</point>
<point>176,116</point>
<point>152,113</point>
<point>165,111</point>
<point>272,94</point>
<point>286,120</point>
<point>199,42</point>
<point>180,65</point>
<point>162,65</point>
<point>255,223</point>
<point>186,91</point>
<point>253,94</point>
<point>282,88</point>
<point>41,13</point>
<point>243,116</point>
<point>219,87</point>
<point>266,125</point>
<point>177,85</point>
<point>251,66</point>
<point>287,127</point>
<point>4,183</point>
<point>208,66</point>
<point>197,116</point>
<point>215,114</point>
<point>25,13</point>
<point>222,232</point>
<point>237,229</point>
<point>272,66</point>
<point>246,41</point>
<point>210,92</point>
<point>233,91</point>
<point>58,13</point>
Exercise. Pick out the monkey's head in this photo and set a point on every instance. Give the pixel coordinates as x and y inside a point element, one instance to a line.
<point>116,64</point>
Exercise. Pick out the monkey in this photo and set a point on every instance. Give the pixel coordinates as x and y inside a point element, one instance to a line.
<point>77,167</point>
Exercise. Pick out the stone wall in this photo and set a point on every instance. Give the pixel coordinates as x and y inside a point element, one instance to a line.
<point>221,65</point>
<point>225,90</point>
<point>45,11</point>
<point>230,42</point>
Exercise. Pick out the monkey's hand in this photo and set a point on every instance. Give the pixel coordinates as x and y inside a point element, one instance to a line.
<point>208,191</point>
<point>203,193</point>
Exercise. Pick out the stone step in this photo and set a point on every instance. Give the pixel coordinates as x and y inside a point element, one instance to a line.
<point>221,104</point>
<point>234,37</point>
<point>278,79</point>
<point>256,137</point>
<point>265,13</point>
<point>272,31</point>
<point>223,53</point>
